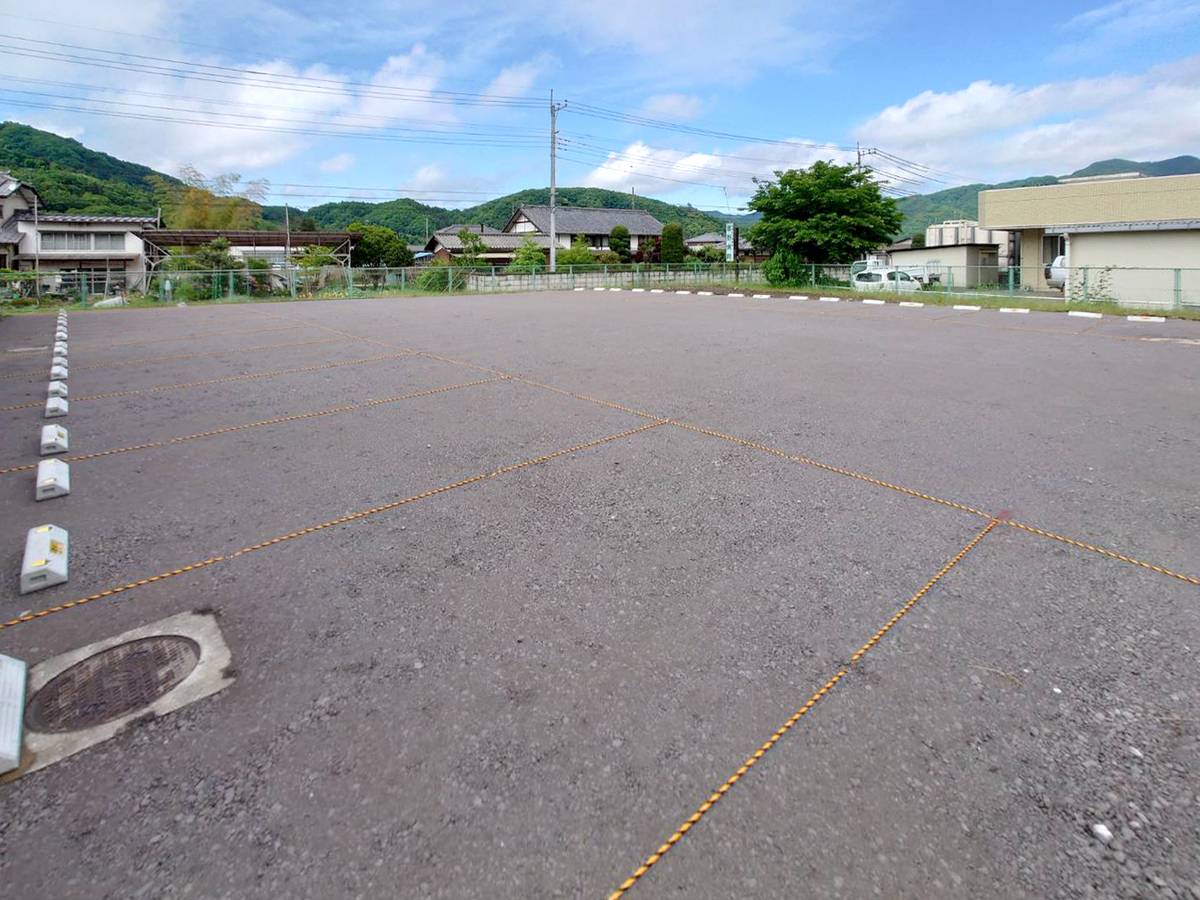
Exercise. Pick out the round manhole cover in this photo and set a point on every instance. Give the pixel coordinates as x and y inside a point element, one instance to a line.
<point>112,683</point>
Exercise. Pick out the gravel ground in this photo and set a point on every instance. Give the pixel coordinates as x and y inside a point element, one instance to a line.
<point>522,686</point>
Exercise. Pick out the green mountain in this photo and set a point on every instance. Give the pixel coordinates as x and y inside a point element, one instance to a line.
<point>71,178</point>
<point>962,202</point>
<point>1176,165</point>
<point>408,217</point>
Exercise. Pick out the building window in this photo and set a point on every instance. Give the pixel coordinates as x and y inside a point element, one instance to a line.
<point>109,240</point>
<point>66,240</point>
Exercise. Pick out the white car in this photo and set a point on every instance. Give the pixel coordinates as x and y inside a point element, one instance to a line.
<point>1056,273</point>
<point>885,280</point>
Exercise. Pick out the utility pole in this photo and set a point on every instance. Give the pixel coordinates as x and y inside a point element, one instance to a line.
<point>858,153</point>
<point>633,197</point>
<point>37,251</point>
<point>287,230</point>
<point>554,108</point>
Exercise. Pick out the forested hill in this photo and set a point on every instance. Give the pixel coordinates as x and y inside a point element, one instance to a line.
<point>409,217</point>
<point>71,178</point>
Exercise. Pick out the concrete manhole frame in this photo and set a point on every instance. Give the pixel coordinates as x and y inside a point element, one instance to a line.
<point>213,673</point>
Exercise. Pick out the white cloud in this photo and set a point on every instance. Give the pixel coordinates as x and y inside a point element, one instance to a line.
<point>1102,29</point>
<point>516,80</point>
<point>657,170</point>
<point>339,163</point>
<point>989,131</point>
<point>679,107</point>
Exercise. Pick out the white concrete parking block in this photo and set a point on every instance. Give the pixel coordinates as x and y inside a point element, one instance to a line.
<point>737,295</point>
<point>12,711</point>
<point>45,562</point>
<point>829,299</point>
<point>615,289</point>
<point>53,480</point>
<point>579,289</point>
<point>911,304</point>
<point>762,296</point>
<point>656,290</point>
<point>683,292</point>
<point>56,389</point>
<point>639,290</point>
<point>58,372</point>
<point>1084,314</point>
<point>1014,309</point>
<point>873,302</point>
<point>55,439</point>
<point>798,297</point>
<point>1146,318</point>
<point>56,406</point>
<point>966,307</point>
<point>704,293</point>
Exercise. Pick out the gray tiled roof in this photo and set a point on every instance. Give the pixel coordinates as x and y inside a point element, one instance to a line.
<point>9,233</point>
<point>709,237</point>
<point>478,229</point>
<point>591,219</point>
<point>26,215</point>
<point>498,242</point>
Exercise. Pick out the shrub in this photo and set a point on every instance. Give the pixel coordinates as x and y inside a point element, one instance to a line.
<point>618,242</point>
<point>528,258</point>
<point>671,249</point>
<point>439,277</point>
<point>786,267</point>
<point>577,255</point>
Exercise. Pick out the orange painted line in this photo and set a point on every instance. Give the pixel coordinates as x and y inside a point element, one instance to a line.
<point>716,796</point>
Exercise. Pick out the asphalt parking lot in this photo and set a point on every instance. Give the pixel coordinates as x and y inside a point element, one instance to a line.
<point>551,568</point>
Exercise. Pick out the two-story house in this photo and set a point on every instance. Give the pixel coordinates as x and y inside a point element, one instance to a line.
<point>103,252</point>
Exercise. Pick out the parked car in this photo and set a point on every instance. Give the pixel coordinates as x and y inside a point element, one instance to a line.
<point>1056,273</point>
<point>885,280</point>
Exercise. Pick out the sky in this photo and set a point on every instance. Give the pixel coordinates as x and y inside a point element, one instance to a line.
<point>449,103</point>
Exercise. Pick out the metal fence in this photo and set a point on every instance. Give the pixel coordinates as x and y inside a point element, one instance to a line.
<point>1149,288</point>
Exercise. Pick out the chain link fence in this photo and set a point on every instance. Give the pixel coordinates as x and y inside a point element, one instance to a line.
<point>1143,288</point>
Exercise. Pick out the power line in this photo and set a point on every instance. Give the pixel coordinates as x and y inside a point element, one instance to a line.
<point>223,101</point>
<point>516,140</point>
<point>304,132</point>
<point>458,96</point>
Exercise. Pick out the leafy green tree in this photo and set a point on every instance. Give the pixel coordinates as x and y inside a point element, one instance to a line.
<point>671,249</point>
<point>307,223</point>
<point>316,258</point>
<point>473,248</point>
<point>215,255</point>
<point>918,240</point>
<point>825,213</point>
<point>618,242</point>
<point>378,246</point>
<point>577,255</point>
<point>529,257</point>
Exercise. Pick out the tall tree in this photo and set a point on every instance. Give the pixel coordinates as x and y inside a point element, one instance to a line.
<point>618,242</point>
<point>378,246</point>
<point>825,213</point>
<point>671,250</point>
<point>216,203</point>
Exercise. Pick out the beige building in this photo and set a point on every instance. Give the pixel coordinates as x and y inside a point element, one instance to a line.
<point>968,231</point>
<point>1125,237</point>
<point>958,265</point>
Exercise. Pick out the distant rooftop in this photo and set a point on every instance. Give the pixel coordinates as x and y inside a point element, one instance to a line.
<point>589,219</point>
<point>26,215</point>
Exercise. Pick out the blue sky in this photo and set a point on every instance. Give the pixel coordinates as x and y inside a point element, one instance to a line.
<point>953,92</point>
